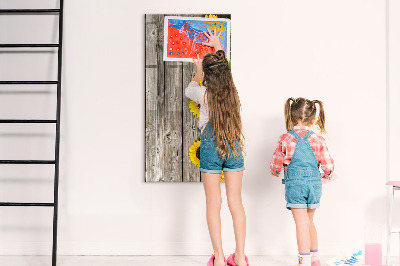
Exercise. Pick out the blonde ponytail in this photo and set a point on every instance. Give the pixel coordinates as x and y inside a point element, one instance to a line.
<point>288,114</point>
<point>321,116</point>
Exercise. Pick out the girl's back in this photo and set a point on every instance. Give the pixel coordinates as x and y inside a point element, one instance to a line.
<point>221,147</point>
<point>302,153</point>
<point>287,146</point>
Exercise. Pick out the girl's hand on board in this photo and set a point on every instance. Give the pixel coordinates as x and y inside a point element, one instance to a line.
<point>213,39</point>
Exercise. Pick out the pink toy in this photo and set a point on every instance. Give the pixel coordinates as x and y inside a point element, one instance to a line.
<point>373,245</point>
<point>231,260</point>
<point>373,254</point>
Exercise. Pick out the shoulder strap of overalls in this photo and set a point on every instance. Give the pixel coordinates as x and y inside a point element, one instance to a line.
<point>297,136</point>
<point>294,133</point>
<point>309,133</point>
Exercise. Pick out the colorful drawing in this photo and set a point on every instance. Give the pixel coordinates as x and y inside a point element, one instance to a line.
<point>183,37</point>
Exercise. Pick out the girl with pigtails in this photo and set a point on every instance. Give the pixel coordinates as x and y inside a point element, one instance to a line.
<point>302,154</point>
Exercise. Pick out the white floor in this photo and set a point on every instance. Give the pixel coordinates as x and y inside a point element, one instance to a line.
<point>142,260</point>
<point>135,260</point>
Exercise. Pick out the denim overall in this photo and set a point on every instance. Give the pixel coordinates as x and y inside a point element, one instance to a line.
<point>211,162</point>
<point>302,181</point>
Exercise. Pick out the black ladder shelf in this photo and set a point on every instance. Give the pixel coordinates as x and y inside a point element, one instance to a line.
<point>57,82</point>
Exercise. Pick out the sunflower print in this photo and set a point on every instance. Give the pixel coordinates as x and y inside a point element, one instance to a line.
<point>194,154</point>
<point>194,108</point>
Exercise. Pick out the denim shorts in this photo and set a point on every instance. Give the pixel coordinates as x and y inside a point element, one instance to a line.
<point>303,193</point>
<point>210,160</point>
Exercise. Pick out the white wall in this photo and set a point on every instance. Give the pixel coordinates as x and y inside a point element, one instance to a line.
<point>333,51</point>
<point>394,110</point>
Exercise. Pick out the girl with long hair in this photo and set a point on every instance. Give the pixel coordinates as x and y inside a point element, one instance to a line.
<point>221,147</point>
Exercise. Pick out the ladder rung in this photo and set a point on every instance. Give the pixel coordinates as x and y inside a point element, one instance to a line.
<point>27,121</point>
<point>33,45</point>
<point>38,204</point>
<point>29,82</point>
<point>27,161</point>
<point>5,11</point>
<point>395,231</point>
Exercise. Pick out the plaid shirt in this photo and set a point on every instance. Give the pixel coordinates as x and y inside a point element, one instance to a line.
<point>287,144</point>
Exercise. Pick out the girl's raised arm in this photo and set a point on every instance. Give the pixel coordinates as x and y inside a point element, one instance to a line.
<point>199,70</point>
<point>194,91</point>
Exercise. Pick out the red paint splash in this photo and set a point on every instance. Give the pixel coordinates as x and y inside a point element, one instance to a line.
<point>181,46</point>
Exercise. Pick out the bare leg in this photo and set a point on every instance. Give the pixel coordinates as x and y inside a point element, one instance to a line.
<point>233,183</point>
<point>313,230</point>
<point>212,190</point>
<point>302,221</point>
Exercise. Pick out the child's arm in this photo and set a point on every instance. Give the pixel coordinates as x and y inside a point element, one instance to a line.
<point>199,70</point>
<point>213,39</point>
<point>277,159</point>
<point>194,91</point>
<point>327,163</point>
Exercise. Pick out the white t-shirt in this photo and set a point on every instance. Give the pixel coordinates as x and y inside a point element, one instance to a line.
<point>196,93</point>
